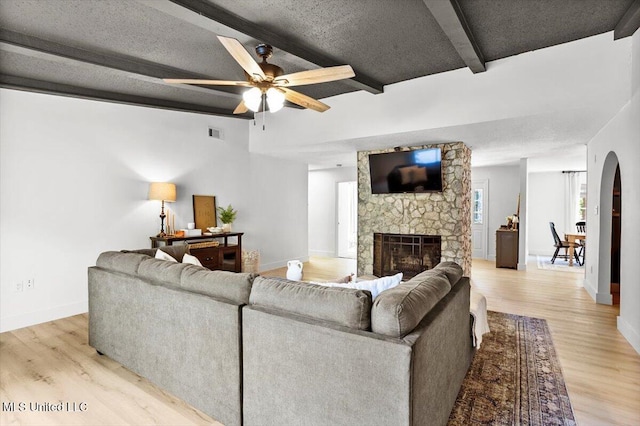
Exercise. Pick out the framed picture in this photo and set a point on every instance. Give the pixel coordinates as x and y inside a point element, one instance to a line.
<point>204,211</point>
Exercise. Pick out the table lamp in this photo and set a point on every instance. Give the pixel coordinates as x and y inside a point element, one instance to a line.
<point>164,192</point>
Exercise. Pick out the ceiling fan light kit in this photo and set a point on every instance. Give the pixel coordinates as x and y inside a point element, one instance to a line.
<point>275,99</point>
<point>267,81</point>
<point>252,99</point>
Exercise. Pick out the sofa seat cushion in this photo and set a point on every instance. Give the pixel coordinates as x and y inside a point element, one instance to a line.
<point>399,310</point>
<point>339,305</point>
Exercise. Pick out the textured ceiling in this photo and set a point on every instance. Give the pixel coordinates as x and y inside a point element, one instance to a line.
<point>505,28</point>
<point>119,50</point>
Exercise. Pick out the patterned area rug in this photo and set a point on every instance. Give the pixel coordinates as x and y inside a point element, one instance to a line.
<point>515,378</point>
<point>560,265</point>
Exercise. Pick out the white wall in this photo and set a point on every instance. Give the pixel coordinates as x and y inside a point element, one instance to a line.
<point>531,84</point>
<point>546,204</point>
<point>504,186</point>
<point>622,137</point>
<point>323,209</point>
<point>74,181</point>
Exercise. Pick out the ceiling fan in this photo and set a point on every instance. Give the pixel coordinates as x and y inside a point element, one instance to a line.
<point>268,82</point>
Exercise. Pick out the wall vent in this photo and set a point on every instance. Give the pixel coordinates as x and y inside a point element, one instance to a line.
<point>215,133</point>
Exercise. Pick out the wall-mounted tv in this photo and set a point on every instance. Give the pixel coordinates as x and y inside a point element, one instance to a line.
<point>406,171</point>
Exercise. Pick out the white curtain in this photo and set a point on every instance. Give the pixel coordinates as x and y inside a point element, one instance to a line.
<point>571,200</point>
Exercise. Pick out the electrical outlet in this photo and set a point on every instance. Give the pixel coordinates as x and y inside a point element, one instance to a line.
<point>30,284</point>
<point>19,286</point>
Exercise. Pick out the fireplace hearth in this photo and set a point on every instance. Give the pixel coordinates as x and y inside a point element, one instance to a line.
<point>406,253</point>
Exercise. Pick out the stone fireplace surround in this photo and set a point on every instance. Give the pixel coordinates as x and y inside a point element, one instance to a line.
<point>446,213</point>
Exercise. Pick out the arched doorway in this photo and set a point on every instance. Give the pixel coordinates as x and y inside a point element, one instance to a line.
<point>610,229</point>
<point>616,227</point>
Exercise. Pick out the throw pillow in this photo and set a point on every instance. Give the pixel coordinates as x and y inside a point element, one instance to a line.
<point>191,259</point>
<point>164,256</point>
<point>375,287</point>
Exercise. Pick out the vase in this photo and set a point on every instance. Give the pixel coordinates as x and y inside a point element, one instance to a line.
<point>294,271</point>
<point>226,227</point>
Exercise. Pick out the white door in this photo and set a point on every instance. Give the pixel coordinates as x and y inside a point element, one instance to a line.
<point>479,218</point>
<point>347,219</point>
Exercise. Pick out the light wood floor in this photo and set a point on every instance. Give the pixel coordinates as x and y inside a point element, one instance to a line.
<point>52,362</point>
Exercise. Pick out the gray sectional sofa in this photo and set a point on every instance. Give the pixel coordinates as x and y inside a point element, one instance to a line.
<point>178,325</point>
<point>264,351</point>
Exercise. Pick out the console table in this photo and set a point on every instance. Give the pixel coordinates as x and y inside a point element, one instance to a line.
<point>226,256</point>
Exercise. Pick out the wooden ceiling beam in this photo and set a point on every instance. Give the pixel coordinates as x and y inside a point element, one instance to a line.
<point>452,21</point>
<point>39,86</point>
<point>629,23</point>
<point>111,61</point>
<point>216,13</point>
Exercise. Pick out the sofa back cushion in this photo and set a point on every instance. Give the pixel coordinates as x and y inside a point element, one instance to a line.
<point>176,251</point>
<point>452,270</point>
<point>339,305</point>
<point>127,263</point>
<point>399,310</point>
<point>162,271</point>
<point>231,286</point>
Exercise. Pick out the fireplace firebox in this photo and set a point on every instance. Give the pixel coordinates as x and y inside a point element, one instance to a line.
<point>409,254</point>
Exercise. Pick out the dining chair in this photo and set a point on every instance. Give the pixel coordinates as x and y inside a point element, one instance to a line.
<point>561,244</point>
<point>581,226</point>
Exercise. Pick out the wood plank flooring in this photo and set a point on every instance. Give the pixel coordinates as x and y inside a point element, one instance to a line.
<point>52,362</point>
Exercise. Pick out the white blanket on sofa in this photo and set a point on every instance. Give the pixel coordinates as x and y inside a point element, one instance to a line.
<point>478,309</point>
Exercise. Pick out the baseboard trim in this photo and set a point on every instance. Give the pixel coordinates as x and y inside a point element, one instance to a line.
<point>592,291</point>
<point>280,263</point>
<point>322,253</point>
<point>38,317</point>
<point>604,298</point>
<point>629,333</point>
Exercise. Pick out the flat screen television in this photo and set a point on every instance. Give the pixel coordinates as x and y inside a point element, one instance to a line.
<point>406,171</point>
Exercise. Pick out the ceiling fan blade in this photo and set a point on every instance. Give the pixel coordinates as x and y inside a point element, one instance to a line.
<point>304,100</point>
<point>240,54</point>
<point>321,75</point>
<point>207,82</point>
<point>241,108</point>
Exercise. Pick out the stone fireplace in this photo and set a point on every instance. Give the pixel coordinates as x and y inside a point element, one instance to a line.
<point>445,214</point>
<point>409,254</point>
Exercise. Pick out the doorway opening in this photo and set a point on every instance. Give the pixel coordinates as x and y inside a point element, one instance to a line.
<point>479,218</point>
<point>347,214</point>
<point>610,218</point>
<point>616,216</point>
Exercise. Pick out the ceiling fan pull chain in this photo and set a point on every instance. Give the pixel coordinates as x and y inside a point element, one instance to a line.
<point>264,110</point>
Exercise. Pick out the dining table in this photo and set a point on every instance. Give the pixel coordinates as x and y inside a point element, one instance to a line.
<point>572,238</point>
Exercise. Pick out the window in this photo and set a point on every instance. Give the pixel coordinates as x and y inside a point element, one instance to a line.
<point>582,197</point>
<point>478,201</point>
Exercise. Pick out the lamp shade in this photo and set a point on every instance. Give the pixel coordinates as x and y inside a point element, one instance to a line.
<point>252,99</point>
<point>275,99</point>
<point>162,191</point>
